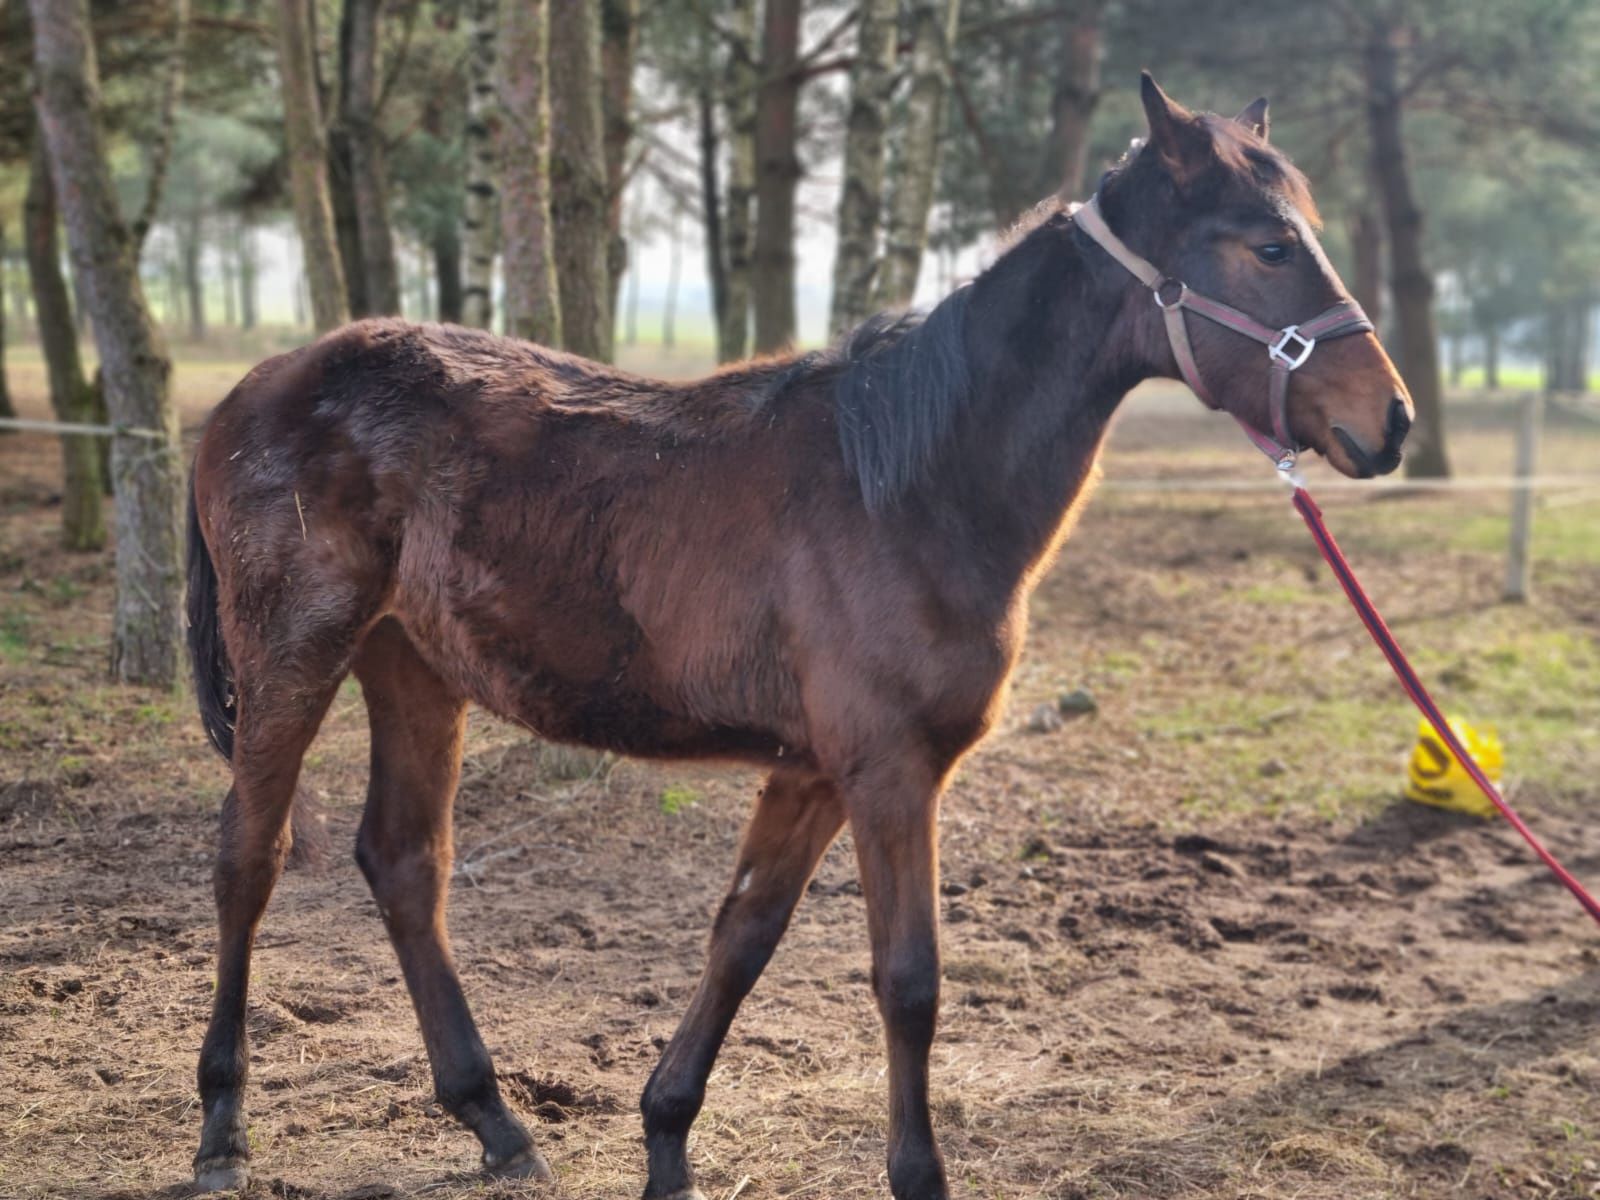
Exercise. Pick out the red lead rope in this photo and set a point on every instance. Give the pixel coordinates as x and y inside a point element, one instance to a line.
<point>1419,695</point>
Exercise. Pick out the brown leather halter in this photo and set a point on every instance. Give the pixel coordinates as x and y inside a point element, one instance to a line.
<point>1287,348</point>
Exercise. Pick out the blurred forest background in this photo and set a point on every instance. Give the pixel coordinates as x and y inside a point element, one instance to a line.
<point>672,182</point>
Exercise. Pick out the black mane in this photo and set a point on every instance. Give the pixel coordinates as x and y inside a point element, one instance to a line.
<point>903,381</point>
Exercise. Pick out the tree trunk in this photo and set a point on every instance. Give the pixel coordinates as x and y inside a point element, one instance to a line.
<point>1491,357</point>
<point>777,176</point>
<point>710,200</point>
<point>346,221</point>
<point>146,626</point>
<point>166,127</point>
<point>1076,95</point>
<point>619,37</point>
<point>1575,362</point>
<point>7,408</point>
<point>71,398</point>
<point>1567,346</point>
<point>480,206</point>
<point>533,307</point>
<point>733,328</point>
<point>1366,250</point>
<point>933,32</point>
<point>1410,281</point>
<point>191,251</point>
<point>230,287</point>
<point>630,328</point>
<point>579,201</point>
<point>861,192</point>
<point>247,273</point>
<point>308,165</point>
<point>447,271</point>
<point>368,182</point>
<point>669,308</point>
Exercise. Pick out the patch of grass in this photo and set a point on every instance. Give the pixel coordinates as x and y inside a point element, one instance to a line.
<point>676,798</point>
<point>1274,594</point>
<point>15,635</point>
<point>1568,536</point>
<point>64,592</point>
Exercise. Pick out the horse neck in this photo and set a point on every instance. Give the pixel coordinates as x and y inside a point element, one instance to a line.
<point>1055,344</point>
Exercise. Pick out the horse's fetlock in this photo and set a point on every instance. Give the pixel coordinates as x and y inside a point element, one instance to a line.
<point>670,1107</point>
<point>466,1097</point>
<point>917,1177</point>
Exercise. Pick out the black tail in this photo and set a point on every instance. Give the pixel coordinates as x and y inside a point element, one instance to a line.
<point>213,673</point>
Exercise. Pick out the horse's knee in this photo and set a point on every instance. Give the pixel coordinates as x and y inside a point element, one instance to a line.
<point>406,881</point>
<point>907,988</point>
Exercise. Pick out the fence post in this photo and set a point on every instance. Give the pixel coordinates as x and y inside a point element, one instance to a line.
<point>1530,418</point>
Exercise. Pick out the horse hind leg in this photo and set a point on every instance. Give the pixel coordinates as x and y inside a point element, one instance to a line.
<point>277,718</point>
<point>404,850</point>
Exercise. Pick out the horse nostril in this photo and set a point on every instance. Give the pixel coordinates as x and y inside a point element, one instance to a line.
<point>1399,421</point>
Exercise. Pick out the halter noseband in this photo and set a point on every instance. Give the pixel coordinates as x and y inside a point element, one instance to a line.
<point>1287,348</point>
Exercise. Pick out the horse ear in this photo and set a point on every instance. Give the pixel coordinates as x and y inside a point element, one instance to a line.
<point>1183,144</point>
<point>1253,116</point>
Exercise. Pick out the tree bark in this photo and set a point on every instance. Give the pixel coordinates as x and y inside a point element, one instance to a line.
<point>710,199</point>
<point>619,37</point>
<point>368,177</point>
<point>248,272</point>
<point>1491,357</point>
<point>1366,249</point>
<point>533,306</point>
<point>1076,95</point>
<point>481,205</point>
<point>190,252</point>
<point>933,32</point>
<point>83,524</point>
<point>7,408</point>
<point>146,626</point>
<point>1567,345</point>
<point>733,327</point>
<point>346,222</point>
<point>861,192</point>
<point>777,176</point>
<point>166,127</point>
<point>669,308</point>
<point>579,200</point>
<point>308,165</point>
<point>447,272</point>
<point>1410,281</point>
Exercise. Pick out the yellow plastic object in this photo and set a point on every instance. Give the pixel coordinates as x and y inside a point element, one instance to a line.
<point>1435,777</point>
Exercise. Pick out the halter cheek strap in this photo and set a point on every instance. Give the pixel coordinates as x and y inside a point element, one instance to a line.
<point>1287,348</point>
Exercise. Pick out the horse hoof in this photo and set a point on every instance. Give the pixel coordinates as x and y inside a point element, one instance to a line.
<point>529,1164</point>
<point>221,1176</point>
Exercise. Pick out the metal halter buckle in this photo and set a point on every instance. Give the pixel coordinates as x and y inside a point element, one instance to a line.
<point>1290,358</point>
<point>1155,293</point>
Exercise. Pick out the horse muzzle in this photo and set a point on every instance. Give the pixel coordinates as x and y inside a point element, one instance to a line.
<point>1369,462</point>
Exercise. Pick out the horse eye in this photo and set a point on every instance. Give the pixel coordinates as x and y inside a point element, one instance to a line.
<point>1274,253</point>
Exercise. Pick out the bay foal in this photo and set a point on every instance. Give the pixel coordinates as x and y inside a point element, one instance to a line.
<point>817,564</point>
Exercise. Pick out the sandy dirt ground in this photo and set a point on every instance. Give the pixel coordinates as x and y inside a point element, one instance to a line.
<point>1195,946</point>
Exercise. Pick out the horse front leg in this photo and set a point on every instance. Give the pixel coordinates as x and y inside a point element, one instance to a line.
<point>796,819</point>
<point>893,812</point>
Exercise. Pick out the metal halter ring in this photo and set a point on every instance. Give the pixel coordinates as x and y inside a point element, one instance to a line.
<point>1292,359</point>
<point>1155,293</point>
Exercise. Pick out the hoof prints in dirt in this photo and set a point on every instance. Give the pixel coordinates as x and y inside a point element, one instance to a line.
<point>554,1100</point>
